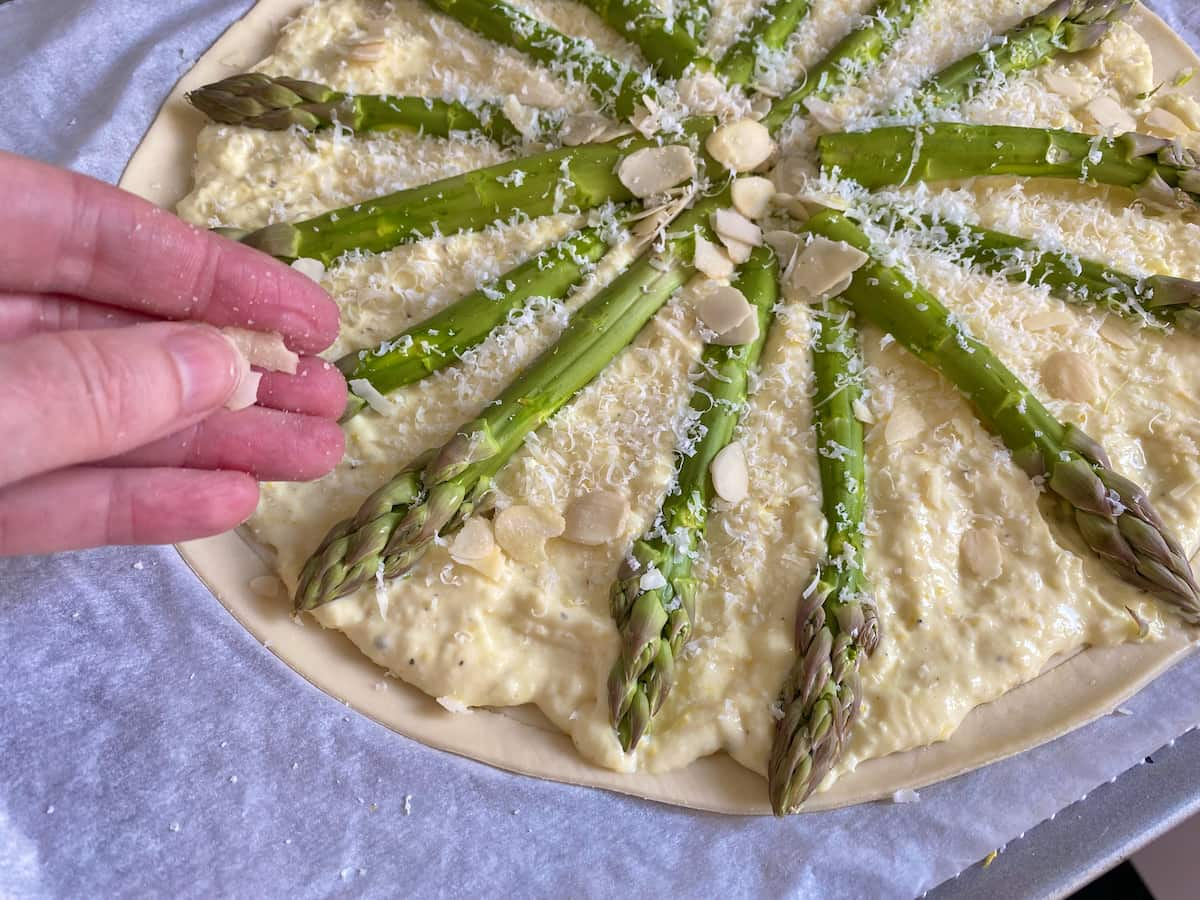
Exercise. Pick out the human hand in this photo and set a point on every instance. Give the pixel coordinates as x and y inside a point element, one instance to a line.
<point>112,429</point>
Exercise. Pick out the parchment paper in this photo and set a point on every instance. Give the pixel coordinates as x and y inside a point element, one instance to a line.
<point>149,745</point>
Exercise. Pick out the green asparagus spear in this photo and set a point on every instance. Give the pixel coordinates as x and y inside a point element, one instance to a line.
<point>1112,514</point>
<point>668,46</point>
<point>1153,300</point>
<point>836,625</point>
<point>862,48</point>
<point>568,179</point>
<point>261,101</point>
<point>395,525</point>
<point>1158,169</point>
<point>654,596</point>
<point>438,341</point>
<point>1066,26</point>
<point>768,29</point>
<point>613,84</point>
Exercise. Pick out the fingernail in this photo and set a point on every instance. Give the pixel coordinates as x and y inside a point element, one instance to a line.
<point>209,367</point>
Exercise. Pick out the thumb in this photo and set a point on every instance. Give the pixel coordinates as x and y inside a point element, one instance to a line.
<point>77,396</point>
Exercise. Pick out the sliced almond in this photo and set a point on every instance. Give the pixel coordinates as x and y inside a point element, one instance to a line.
<point>741,146</point>
<point>980,553</point>
<point>652,170</point>
<point>1063,85</point>
<point>702,93</point>
<point>862,411</point>
<point>313,268</point>
<point>738,252</point>
<point>474,541</point>
<point>522,531</point>
<point>1161,123</point>
<point>743,334</point>
<point>823,113</point>
<point>1108,115</point>
<point>730,475</point>
<point>752,196</point>
<point>246,393</point>
<point>720,307</point>
<point>367,51</point>
<point>1050,318</point>
<point>786,245</point>
<point>825,267</point>
<point>731,225</point>
<point>263,349</point>
<point>582,128</point>
<point>760,105</point>
<point>904,423</point>
<point>596,518</point>
<point>1071,376</point>
<point>712,260</point>
<point>1118,333</point>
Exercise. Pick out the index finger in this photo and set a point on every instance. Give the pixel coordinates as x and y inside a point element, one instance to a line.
<point>68,234</point>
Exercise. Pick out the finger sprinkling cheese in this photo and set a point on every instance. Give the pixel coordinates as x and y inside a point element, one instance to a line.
<point>653,170</point>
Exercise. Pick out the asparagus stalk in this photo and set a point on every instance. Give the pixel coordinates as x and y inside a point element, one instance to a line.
<point>862,48</point>
<point>572,178</point>
<point>836,625</point>
<point>1151,300</point>
<point>395,525</point>
<point>654,614</point>
<point>769,28</point>
<point>1065,26</point>
<point>663,40</point>
<point>1113,515</point>
<point>948,150</point>
<point>613,85</point>
<point>262,101</point>
<point>438,341</point>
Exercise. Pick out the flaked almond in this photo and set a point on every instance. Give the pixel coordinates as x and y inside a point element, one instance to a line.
<point>1162,123</point>
<point>702,93</point>
<point>760,105</point>
<point>652,170</point>
<point>246,393</point>
<point>1050,318</point>
<point>720,307</point>
<point>522,531</point>
<point>862,411</point>
<point>738,252</point>
<point>825,268</point>
<point>1107,114</point>
<point>1063,85</point>
<point>980,553</point>
<point>473,542</point>
<point>752,196</point>
<point>1071,376</point>
<point>730,475</point>
<point>313,268</point>
<point>904,423</point>
<point>786,245</point>
<point>263,349</point>
<point>582,129</point>
<point>741,146</point>
<point>712,260</point>
<point>651,222</point>
<point>367,51</point>
<point>731,225</point>
<point>1118,333</point>
<point>743,334</point>
<point>596,518</point>
<point>823,113</point>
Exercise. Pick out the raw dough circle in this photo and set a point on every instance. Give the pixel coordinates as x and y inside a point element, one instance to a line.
<point>1070,694</point>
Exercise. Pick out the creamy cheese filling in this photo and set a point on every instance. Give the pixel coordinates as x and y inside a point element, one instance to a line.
<point>977,591</point>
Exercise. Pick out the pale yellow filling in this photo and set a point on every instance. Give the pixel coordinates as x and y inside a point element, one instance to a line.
<point>956,633</point>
